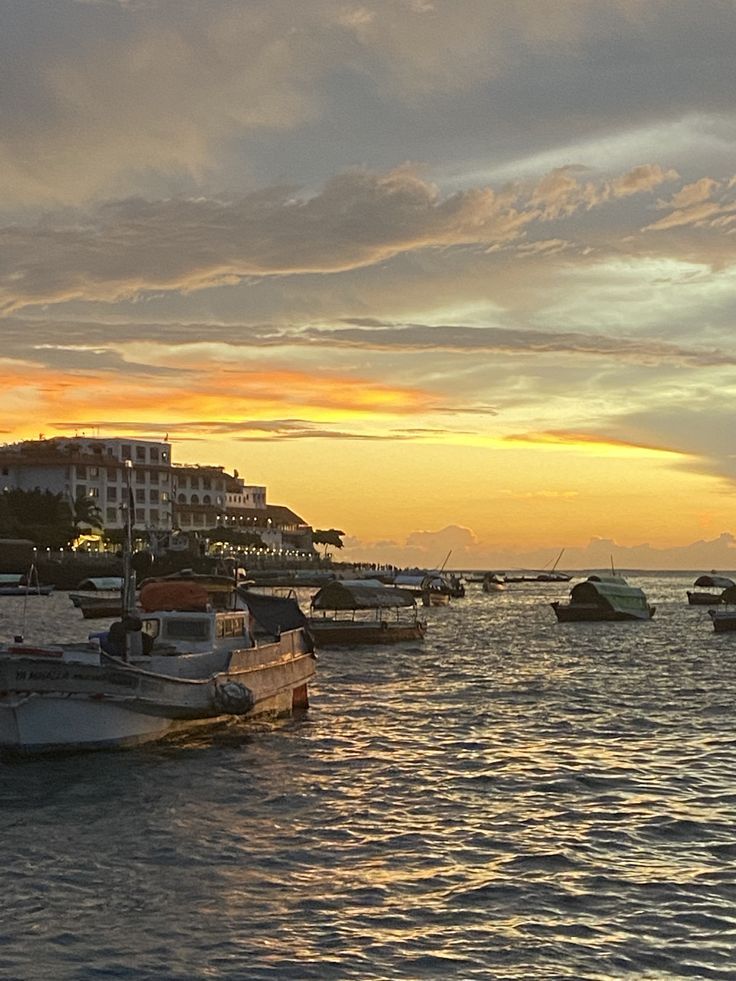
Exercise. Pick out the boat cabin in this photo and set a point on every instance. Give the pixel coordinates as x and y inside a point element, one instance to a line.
<point>187,632</point>
<point>361,599</point>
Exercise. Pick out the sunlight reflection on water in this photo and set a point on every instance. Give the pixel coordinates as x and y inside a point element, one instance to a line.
<point>512,798</point>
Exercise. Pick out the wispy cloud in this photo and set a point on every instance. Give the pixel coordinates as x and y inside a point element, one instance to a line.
<point>358,219</point>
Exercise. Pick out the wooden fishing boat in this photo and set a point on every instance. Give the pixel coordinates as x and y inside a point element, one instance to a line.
<point>97,607</point>
<point>363,611</point>
<point>711,581</point>
<point>12,584</point>
<point>725,620</point>
<point>493,583</point>
<point>604,598</point>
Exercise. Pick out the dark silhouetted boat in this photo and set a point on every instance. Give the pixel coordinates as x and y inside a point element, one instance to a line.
<point>604,598</point>
<point>363,611</point>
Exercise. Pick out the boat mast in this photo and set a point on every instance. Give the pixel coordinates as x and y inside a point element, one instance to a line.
<point>562,552</point>
<point>128,590</point>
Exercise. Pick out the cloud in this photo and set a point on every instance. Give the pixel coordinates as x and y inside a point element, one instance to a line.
<point>714,553</point>
<point>452,537</point>
<point>581,440</point>
<point>373,334</point>
<point>358,219</point>
<point>243,430</point>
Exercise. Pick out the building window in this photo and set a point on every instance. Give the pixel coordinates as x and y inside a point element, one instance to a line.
<point>140,495</point>
<point>94,492</point>
<point>153,496</point>
<point>81,490</point>
<point>164,456</point>
<point>140,477</point>
<point>94,471</point>
<point>154,476</point>
<point>182,499</point>
<point>163,477</point>
<point>126,452</point>
<point>195,499</point>
<point>112,514</point>
<point>153,513</point>
<point>112,473</point>
<point>112,493</point>
<point>206,483</point>
<point>140,454</point>
<point>206,499</point>
<point>140,516</point>
<point>165,496</point>
<point>80,471</point>
<point>154,454</point>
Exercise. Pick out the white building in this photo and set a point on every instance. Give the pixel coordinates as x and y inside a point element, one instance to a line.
<point>199,495</point>
<point>95,468</point>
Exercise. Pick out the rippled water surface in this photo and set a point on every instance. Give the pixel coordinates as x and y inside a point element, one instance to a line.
<point>512,798</point>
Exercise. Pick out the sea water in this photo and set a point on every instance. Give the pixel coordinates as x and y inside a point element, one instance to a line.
<point>511,798</point>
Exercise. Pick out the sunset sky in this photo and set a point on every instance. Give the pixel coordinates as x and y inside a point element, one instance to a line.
<point>444,274</point>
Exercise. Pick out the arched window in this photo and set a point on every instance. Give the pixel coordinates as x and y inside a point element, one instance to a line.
<point>182,499</point>
<point>206,499</point>
<point>195,499</point>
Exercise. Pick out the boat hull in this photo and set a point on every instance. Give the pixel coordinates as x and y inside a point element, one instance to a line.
<point>26,590</point>
<point>723,622</point>
<point>704,599</point>
<point>435,599</point>
<point>50,704</point>
<point>335,634</point>
<point>584,613</point>
<point>97,607</point>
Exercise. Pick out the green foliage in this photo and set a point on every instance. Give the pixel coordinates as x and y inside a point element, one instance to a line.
<point>86,512</point>
<point>41,516</point>
<point>328,537</point>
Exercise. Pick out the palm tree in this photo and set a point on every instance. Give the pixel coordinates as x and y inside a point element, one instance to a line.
<point>86,512</point>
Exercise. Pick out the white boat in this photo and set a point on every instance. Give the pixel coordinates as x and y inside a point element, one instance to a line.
<point>160,672</point>
<point>195,653</point>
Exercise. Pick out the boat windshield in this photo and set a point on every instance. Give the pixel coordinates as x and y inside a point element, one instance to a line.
<point>176,629</point>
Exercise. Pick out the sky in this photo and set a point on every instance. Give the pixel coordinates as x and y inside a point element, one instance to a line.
<point>448,275</point>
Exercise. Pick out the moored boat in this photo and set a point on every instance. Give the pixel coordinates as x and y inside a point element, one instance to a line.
<point>604,598</point>
<point>711,581</point>
<point>363,611</point>
<point>724,620</point>
<point>493,583</point>
<point>192,654</point>
<point>17,584</point>
<point>149,676</point>
<point>435,591</point>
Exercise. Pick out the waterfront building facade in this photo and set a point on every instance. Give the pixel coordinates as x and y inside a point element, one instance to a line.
<point>199,497</point>
<point>98,469</point>
<point>189,498</point>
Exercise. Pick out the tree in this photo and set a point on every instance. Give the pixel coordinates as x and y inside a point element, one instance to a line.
<point>86,512</point>
<point>327,537</point>
<point>41,516</point>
